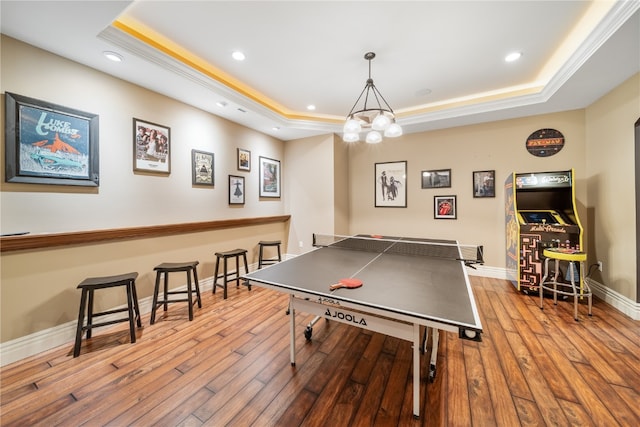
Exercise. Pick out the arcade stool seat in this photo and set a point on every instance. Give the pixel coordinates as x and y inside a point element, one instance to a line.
<point>92,284</point>
<point>262,260</point>
<point>577,287</point>
<point>192,286</point>
<point>230,276</point>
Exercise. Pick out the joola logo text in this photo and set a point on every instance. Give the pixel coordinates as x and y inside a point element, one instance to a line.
<point>346,317</point>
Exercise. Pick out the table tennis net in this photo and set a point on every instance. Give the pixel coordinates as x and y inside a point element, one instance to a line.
<point>446,249</point>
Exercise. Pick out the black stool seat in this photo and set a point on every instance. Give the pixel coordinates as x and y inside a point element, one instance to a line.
<point>236,253</point>
<point>171,267</point>
<point>91,284</point>
<point>268,261</point>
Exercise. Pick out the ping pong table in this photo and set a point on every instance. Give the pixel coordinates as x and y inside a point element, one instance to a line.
<point>407,284</point>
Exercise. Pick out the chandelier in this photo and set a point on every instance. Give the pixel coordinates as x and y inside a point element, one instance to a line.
<point>377,119</point>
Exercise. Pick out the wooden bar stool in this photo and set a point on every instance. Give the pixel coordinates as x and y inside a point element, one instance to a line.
<point>172,267</point>
<point>91,284</point>
<point>577,287</point>
<point>268,261</point>
<point>236,253</point>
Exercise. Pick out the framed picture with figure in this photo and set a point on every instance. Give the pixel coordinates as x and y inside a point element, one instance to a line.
<point>236,190</point>
<point>202,168</point>
<point>440,178</point>
<point>390,185</point>
<point>484,183</point>
<point>151,147</point>
<point>244,160</point>
<point>269,177</point>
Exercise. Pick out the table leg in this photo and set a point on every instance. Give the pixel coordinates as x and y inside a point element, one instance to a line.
<point>292,330</point>
<point>435,340</point>
<point>416,370</point>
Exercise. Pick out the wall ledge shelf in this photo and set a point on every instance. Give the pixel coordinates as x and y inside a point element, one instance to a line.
<point>49,240</point>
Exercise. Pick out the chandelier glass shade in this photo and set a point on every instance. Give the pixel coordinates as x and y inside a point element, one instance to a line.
<point>375,116</point>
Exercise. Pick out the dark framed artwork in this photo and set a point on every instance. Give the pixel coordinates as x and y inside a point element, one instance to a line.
<point>244,160</point>
<point>390,184</point>
<point>484,183</point>
<point>236,190</point>
<point>47,143</point>
<point>151,147</point>
<point>444,207</point>
<point>269,177</point>
<point>202,168</point>
<point>439,178</point>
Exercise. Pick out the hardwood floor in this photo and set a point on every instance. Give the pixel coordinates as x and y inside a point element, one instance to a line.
<point>230,366</point>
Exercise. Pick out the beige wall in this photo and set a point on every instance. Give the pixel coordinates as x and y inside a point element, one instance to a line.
<point>126,199</point>
<point>317,182</point>
<point>498,146</point>
<point>611,190</point>
<point>327,187</point>
<point>309,181</point>
<point>38,288</point>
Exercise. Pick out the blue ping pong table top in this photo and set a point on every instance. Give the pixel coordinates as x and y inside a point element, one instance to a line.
<point>422,287</point>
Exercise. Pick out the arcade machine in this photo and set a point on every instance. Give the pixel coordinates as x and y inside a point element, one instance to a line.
<point>540,212</point>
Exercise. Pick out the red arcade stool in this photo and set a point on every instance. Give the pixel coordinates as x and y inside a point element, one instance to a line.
<point>236,253</point>
<point>92,284</point>
<point>577,287</point>
<point>172,267</point>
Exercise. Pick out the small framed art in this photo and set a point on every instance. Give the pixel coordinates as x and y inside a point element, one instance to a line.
<point>151,147</point>
<point>269,177</point>
<point>444,207</point>
<point>236,190</point>
<point>484,183</point>
<point>390,185</point>
<point>244,160</point>
<point>440,178</point>
<point>47,143</point>
<point>202,168</point>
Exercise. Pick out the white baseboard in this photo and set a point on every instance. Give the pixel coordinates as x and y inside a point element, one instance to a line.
<point>486,271</point>
<point>614,299</point>
<point>20,348</point>
<point>29,345</point>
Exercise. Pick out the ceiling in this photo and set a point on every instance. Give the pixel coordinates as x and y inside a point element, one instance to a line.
<point>439,64</point>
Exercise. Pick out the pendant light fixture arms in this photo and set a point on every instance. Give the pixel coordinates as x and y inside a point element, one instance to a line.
<point>378,118</point>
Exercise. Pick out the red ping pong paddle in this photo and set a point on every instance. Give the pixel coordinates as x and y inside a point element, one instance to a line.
<point>346,283</point>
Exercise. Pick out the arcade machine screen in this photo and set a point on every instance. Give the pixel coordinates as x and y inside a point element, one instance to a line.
<point>540,217</point>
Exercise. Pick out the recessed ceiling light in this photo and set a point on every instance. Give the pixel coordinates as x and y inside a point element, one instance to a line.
<point>275,128</point>
<point>221,104</point>
<point>311,107</point>
<point>514,56</point>
<point>113,56</point>
<point>238,56</point>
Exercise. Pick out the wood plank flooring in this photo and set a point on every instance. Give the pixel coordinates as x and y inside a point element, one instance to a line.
<point>230,366</point>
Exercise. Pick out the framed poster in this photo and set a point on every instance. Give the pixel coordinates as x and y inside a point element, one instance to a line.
<point>390,185</point>
<point>440,178</point>
<point>269,177</point>
<point>236,190</point>
<point>202,168</point>
<point>444,207</point>
<point>151,147</point>
<point>484,183</point>
<point>244,160</point>
<point>47,143</point>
